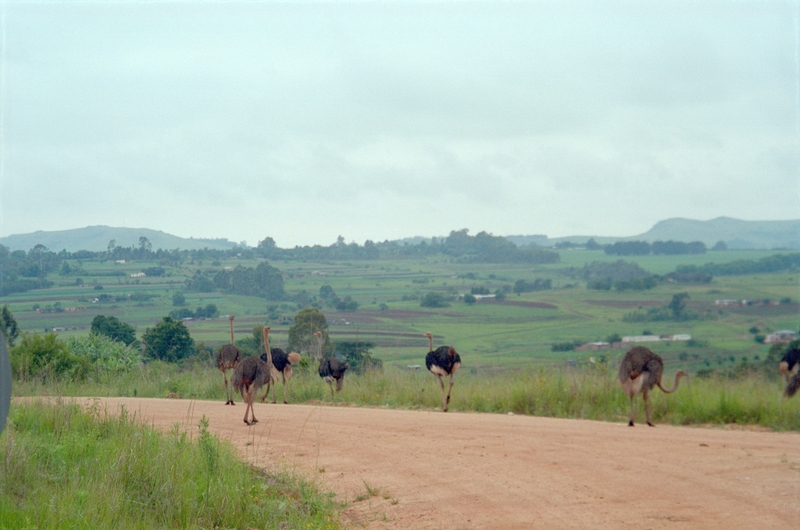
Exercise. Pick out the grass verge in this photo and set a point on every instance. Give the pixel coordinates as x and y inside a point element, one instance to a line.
<point>67,467</point>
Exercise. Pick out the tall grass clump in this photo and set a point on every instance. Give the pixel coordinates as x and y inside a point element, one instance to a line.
<point>67,467</point>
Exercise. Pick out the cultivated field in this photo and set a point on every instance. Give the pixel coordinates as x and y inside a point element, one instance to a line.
<point>516,332</point>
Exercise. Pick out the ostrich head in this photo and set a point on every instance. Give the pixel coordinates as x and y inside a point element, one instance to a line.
<point>318,334</point>
<point>430,340</point>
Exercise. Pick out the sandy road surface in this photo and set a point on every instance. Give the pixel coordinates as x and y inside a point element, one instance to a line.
<point>464,470</point>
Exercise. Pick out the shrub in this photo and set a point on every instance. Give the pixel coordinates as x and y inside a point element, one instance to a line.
<point>434,299</point>
<point>46,357</point>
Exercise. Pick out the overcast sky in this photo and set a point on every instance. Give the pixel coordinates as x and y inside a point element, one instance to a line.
<point>381,120</point>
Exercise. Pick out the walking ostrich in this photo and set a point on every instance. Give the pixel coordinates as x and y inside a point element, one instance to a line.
<point>330,369</point>
<point>444,361</point>
<point>228,357</point>
<point>281,366</point>
<point>790,368</point>
<point>640,371</point>
<point>250,375</point>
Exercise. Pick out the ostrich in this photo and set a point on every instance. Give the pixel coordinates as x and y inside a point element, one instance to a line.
<point>640,371</point>
<point>330,369</point>
<point>228,357</point>
<point>790,368</point>
<point>250,375</point>
<point>281,365</point>
<point>444,361</point>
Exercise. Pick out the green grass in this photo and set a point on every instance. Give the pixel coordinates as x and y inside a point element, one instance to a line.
<point>66,467</point>
<point>587,391</point>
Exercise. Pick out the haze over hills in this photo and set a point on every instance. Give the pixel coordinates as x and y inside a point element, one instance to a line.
<point>736,234</point>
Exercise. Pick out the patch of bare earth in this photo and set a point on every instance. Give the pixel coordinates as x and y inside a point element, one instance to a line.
<point>431,470</point>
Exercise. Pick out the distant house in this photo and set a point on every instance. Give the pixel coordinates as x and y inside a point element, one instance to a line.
<point>726,301</point>
<point>641,338</point>
<point>138,275</point>
<point>785,335</point>
<point>484,296</point>
<point>594,346</point>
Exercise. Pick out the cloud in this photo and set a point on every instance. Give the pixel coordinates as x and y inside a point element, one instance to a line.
<point>386,120</point>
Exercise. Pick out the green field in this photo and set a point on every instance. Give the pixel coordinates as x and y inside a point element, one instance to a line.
<point>517,332</point>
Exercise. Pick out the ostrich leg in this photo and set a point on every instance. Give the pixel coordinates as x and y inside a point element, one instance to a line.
<point>647,408</point>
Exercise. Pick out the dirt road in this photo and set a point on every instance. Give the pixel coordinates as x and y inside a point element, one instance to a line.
<point>431,470</point>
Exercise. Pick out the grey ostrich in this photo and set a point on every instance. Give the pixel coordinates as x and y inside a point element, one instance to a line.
<point>640,371</point>
<point>251,374</point>
<point>790,368</point>
<point>228,356</point>
<point>330,369</point>
<point>442,362</point>
<point>281,367</point>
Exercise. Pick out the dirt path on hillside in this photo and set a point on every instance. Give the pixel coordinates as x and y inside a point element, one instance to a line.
<point>432,470</point>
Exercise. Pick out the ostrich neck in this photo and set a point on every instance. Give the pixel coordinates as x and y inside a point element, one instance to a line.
<point>674,386</point>
<point>430,343</point>
<point>267,348</point>
<point>231,322</point>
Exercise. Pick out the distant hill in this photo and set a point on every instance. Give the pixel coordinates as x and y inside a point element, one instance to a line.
<point>96,238</point>
<point>737,234</point>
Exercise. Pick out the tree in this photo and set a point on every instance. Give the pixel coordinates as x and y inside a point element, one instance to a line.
<point>113,328</point>
<point>301,335</point>
<point>178,299</point>
<point>144,245</point>
<point>267,244</point>
<point>357,355</point>
<point>678,304</point>
<point>469,299</point>
<point>169,341</point>
<point>9,326</point>
<point>346,304</point>
<point>434,299</point>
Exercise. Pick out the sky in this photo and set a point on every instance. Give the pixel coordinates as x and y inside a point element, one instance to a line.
<point>373,120</point>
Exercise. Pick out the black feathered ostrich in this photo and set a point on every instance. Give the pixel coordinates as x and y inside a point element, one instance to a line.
<point>330,369</point>
<point>251,374</point>
<point>640,371</point>
<point>790,368</point>
<point>442,362</point>
<point>281,367</point>
<point>228,357</point>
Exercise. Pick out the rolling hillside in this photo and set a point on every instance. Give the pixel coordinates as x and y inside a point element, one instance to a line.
<point>96,238</point>
<point>737,234</point>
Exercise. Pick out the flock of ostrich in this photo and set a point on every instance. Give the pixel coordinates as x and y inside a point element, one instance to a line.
<point>640,371</point>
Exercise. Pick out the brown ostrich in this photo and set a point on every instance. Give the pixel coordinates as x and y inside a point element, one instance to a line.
<point>330,369</point>
<point>442,362</point>
<point>640,371</point>
<point>281,367</point>
<point>250,375</point>
<point>228,357</point>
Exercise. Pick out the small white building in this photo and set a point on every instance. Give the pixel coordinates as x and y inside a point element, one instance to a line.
<point>785,335</point>
<point>641,338</point>
<point>138,275</point>
<point>726,301</point>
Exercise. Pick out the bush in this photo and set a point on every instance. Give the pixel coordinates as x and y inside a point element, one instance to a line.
<point>46,357</point>
<point>434,299</point>
<point>105,353</point>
